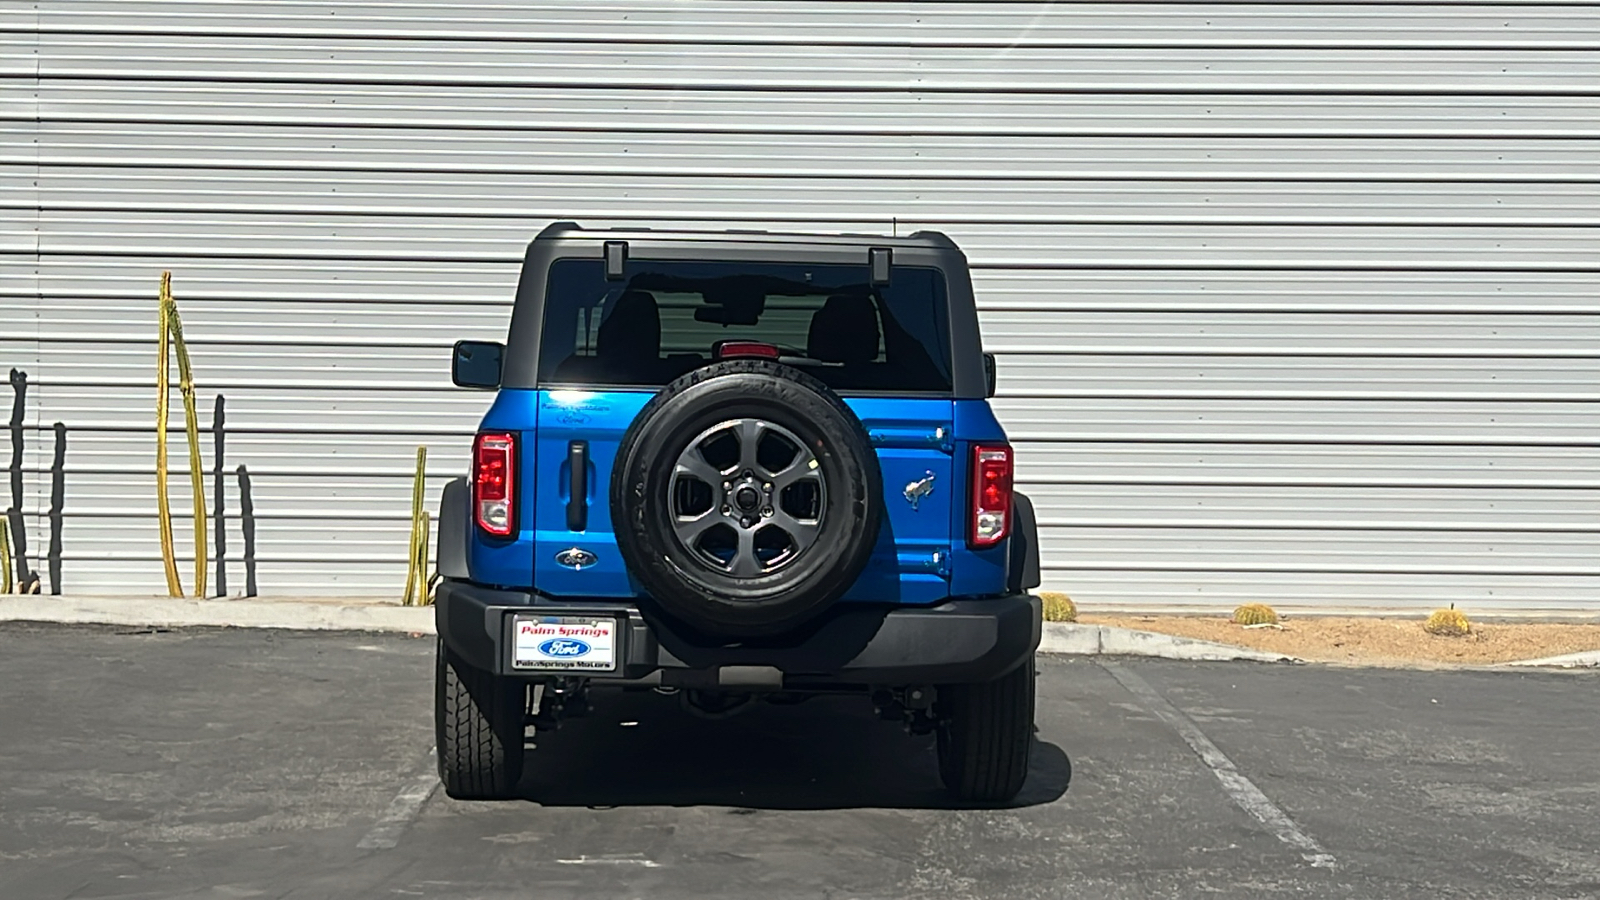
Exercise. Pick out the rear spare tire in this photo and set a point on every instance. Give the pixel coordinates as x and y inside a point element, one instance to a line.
<point>746,498</point>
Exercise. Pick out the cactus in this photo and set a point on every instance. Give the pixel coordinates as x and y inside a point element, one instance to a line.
<point>163,505</point>
<point>1255,614</point>
<point>417,562</point>
<point>170,338</point>
<point>1058,607</point>
<point>1450,622</point>
<point>424,582</point>
<point>5,556</point>
<point>191,427</point>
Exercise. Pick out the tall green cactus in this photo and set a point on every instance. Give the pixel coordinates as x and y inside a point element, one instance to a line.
<point>5,556</point>
<point>163,504</point>
<point>417,562</point>
<point>171,336</point>
<point>191,427</point>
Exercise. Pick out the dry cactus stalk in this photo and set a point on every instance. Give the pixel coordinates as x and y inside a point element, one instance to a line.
<point>424,583</point>
<point>163,505</point>
<point>1450,622</point>
<point>1058,607</point>
<point>170,338</point>
<point>417,560</point>
<point>1255,614</point>
<point>5,556</point>
<point>191,427</point>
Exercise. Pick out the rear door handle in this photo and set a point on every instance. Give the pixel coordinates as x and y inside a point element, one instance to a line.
<point>578,486</point>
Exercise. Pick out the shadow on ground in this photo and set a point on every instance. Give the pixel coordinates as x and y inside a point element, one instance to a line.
<point>827,753</point>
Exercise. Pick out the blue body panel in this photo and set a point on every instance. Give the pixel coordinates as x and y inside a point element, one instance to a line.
<point>506,562</point>
<point>921,555</point>
<point>911,561</point>
<point>600,418</point>
<point>974,573</point>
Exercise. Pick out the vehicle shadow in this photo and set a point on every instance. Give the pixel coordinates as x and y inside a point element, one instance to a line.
<point>826,753</point>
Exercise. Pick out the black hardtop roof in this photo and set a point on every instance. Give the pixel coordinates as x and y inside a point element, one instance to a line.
<point>922,240</point>
<point>568,240</point>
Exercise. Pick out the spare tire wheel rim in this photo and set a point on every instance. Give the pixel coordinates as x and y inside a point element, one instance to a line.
<point>746,497</point>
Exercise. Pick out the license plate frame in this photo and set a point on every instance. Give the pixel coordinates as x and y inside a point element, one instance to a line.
<point>569,643</point>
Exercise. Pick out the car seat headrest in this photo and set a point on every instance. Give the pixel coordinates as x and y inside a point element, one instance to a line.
<point>844,330</point>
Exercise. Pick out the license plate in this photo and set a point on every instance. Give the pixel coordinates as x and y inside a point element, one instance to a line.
<point>564,643</point>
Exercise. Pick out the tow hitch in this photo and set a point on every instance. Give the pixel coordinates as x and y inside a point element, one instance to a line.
<point>911,705</point>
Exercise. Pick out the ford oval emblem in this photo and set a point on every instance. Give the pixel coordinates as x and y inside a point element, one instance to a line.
<point>576,559</point>
<point>564,647</point>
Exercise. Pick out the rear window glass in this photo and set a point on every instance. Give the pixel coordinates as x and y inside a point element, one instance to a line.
<point>665,318</point>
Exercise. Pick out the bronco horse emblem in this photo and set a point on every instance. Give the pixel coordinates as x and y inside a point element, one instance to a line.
<point>918,489</point>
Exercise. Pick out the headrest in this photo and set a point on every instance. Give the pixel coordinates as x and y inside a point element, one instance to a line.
<point>844,330</point>
<point>633,330</point>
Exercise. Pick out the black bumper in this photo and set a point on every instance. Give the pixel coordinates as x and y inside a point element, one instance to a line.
<point>959,641</point>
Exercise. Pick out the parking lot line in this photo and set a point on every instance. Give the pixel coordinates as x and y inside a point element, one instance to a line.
<point>402,810</point>
<point>1241,789</point>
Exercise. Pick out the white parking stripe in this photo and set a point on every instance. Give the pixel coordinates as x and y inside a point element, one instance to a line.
<point>1241,789</point>
<point>630,860</point>
<point>402,811</point>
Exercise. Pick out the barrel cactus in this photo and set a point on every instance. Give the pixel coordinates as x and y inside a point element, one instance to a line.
<point>1450,622</point>
<point>1058,607</point>
<point>1255,614</point>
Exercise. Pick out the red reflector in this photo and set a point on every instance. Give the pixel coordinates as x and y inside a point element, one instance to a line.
<point>733,349</point>
<point>493,483</point>
<point>991,495</point>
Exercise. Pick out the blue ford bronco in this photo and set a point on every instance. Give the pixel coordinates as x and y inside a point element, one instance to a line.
<point>737,467</point>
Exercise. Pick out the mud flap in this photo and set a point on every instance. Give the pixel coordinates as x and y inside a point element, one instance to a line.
<point>1022,562</point>
<point>454,530</point>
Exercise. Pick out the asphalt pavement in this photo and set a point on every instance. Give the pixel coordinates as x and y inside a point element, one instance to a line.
<point>139,763</point>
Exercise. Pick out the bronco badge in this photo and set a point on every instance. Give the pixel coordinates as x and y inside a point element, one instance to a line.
<point>918,489</point>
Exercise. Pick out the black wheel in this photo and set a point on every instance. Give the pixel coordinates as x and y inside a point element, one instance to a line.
<point>985,733</point>
<point>746,498</point>
<point>478,719</point>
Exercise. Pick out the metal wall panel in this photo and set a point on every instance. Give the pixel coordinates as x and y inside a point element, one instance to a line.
<point>1294,302</point>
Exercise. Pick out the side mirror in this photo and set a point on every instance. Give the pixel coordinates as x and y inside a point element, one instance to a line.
<point>476,364</point>
<point>988,374</point>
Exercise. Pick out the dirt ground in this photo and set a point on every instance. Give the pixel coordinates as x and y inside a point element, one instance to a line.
<point>1375,641</point>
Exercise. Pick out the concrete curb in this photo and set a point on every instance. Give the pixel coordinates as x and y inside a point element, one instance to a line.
<point>1107,640</point>
<point>164,612</point>
<point>1584,660</point>
<point>368,615</point>
<point>376,615</point>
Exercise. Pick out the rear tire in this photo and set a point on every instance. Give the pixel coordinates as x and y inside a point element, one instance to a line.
<point>985,735</point>
<point>479,723</point>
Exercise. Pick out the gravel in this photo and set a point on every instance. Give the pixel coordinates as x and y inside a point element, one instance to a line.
<point>1375,641</point>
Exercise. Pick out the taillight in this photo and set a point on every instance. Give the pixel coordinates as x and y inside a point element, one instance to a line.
<point>737,349</point>
<point>991,495</point>
<point>493,487</point>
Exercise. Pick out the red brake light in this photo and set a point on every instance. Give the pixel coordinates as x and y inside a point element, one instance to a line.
<point>493,483</point>
<point>735,349</point>
<point>991,495</point>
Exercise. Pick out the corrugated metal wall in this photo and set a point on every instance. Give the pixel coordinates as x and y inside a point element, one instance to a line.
<point>1295,302</point>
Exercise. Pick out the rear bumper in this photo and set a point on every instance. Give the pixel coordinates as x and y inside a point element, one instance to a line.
<point>959,641</point>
